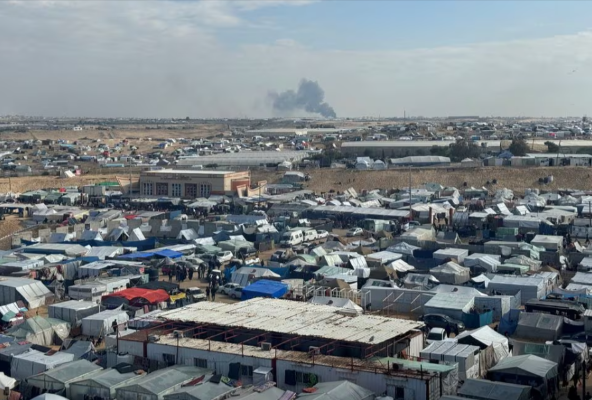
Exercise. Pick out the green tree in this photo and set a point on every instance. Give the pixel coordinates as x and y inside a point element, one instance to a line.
<point>552,147</point>
<point>462,149</point>
<point>519,147</point>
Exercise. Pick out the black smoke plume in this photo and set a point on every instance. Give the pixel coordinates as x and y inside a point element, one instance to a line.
<point>309,97</point>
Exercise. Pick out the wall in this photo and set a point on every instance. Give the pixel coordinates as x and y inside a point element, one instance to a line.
<point>379,383</point>
<point>216,360</point>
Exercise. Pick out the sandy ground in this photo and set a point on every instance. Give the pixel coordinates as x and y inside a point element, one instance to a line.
<point>516,179</point>
<point>22,184</point>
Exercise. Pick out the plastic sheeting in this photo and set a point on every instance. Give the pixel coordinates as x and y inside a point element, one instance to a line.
<point>338,390</point>
<point>539,326</point>
<point>35,362</point>
<point>451,273</point>
<point>73,311</point>
<point>485,337</point>
<point>265,288</point>
<point>42,331</point>
<point>101,324</point>
<point>527,365</point>
<point>33,292</point>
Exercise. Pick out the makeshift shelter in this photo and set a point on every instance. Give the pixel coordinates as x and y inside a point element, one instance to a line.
<point>247,275</point>
<point>451,273</point>
<point>57,380</point>
<point>49,396</point>
<point>530,287</point>
<point>34,362</point>
<point>485,337</point>
<point>527,370</point>
<point>207,390</point>
<point>156,385</point>
<point>265,288</point>
<point>466,356</point>
<point>345,306</point>
<point>33,293</point>
<point>550,243</point>
<point>539,326</point>
<point>419,281</point>
<point>136,297</point>
<point>481,389</point>
<point>338,390</point>
<point>42,331</point>
<point>73,311</point>
<point>451,253</point>
<point>482,262</point>
<point>104,383</point>
<point>101,324</point>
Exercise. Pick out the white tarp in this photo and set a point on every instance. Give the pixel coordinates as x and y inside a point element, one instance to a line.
<point>101,324</point>
<point>41,331</point>
<point>35,362</point>
<point>33,292</point>
<point>451,273</point>
<point>487,337</point>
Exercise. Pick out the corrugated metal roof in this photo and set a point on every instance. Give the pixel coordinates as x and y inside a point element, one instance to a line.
<point>303,319</point>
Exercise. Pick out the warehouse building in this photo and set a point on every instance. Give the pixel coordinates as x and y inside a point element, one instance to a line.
<point>191,184</point>
<point>419,161</point>
<point>246,159</point>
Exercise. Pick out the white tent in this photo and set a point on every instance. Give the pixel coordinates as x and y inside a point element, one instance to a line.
<point>345,306</point>
<point>485,337</point>
<point>73,311</point>
<point>41,331</point>
<point>101,324</point>
<point>32,292</point>
<point>486,262</point>
<point>402,248</point>
<point>451,273</point>
<point>34,362</point>
<point>6,382</point>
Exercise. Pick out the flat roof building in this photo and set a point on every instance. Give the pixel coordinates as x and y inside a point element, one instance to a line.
<point>191,184</point>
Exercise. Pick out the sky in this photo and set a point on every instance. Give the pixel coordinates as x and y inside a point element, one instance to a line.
<point>222,59</point>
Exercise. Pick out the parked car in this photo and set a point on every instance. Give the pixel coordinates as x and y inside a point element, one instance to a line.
<point>225,256</point>
<point>436,335</point>
<point>443,321</point>
<point>195,294</point>
<point>322,234</point>
<point>228,287</point>
<point>235,293</point>
<point>354,232</point>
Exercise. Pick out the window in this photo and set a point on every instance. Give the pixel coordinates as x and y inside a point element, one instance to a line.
<point>162,189</point>
<point>191,190</point>
<point>399,392</point>
<point>169,359</point>
<point>200,362</point>
<point>204,190</point>
<point>147,189</point>
<point>176,190</point>
<point>246,370</point>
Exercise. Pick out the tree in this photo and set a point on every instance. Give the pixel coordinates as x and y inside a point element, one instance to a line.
<point>440,151</point>
<point>552,147</point>
<point>463,149</point>
<point>519,147</point>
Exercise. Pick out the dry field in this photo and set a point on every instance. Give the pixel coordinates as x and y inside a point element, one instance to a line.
<point>20,185</point>
<point>517,179</point>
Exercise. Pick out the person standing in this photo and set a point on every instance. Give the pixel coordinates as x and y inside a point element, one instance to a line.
<point>190,273</point>
<point>208,293</point>
<point>214,289</point>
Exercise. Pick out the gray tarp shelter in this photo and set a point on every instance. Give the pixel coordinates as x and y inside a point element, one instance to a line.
<point>32,292</point>
<point>101,324</point>
<point>451,273</point>
<point>482,389</point>
<point>42,331</point>
<point>530,370</point>
<point>539,326</point>
<point>338,390</point>
<point>104,383</point>
<point>73,311</point>
<point>159,383</point>
<point>34,362</point>
<point>207,390</point>
<point>57,380</point>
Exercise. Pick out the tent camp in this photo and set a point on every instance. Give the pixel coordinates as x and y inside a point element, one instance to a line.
<point>57,380</point>
<point>531,287</point>
<point>451,273</point>
<point>539,326</point>
<point>246,275</point>
<point>451,253</point>
<point>101,324</point>
<point>42,331</point>
<point>264,288</point>
<point>30,291</point>
<point>73,311</point>
<point>482,262</point>
<point>403,248</point>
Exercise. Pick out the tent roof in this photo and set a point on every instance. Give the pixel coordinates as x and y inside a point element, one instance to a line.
<point>265,288</point>
<point>527,365</point>
<point>49,396</point>
<point>68,372</point>
<point>484,389</point>
<point>338,390</point>
<point>152,296</point>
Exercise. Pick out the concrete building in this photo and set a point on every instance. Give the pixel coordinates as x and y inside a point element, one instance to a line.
<point>191,184</point>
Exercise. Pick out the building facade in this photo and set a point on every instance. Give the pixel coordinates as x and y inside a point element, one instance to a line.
<point>191,184</point>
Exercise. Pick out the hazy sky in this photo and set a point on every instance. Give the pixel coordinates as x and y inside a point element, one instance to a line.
<point>221,58</point>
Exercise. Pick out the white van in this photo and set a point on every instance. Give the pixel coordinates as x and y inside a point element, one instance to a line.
<point>291,238</point>
<point>310,235</point>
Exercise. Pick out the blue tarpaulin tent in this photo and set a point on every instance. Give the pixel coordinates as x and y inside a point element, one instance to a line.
<point>265,288</point>
<point>150,254</point>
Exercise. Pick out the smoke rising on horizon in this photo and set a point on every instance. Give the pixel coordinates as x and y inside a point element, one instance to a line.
<point>309,97</point>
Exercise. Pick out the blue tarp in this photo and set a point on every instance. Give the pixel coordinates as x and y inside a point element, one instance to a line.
<point>265,288</point>
<point>150,254</point>
<point>140,245</point>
